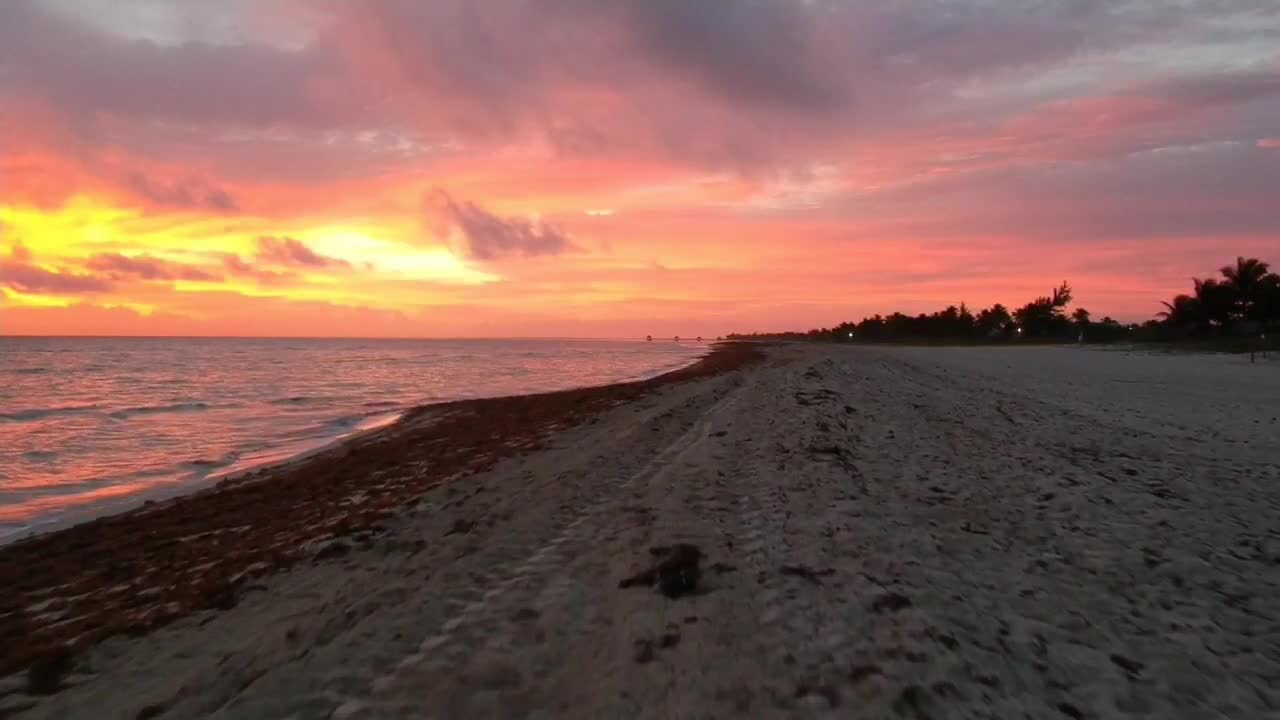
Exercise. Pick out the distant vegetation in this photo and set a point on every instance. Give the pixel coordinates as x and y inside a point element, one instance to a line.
<point>1242,304</point>
<point>1245,299</point>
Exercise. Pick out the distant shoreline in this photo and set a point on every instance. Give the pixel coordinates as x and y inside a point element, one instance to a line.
<point>1227,345</point>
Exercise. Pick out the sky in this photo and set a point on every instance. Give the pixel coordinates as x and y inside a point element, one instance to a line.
<point>612,168</point>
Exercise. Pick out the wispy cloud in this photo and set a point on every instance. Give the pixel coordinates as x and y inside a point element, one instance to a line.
<point>236,265</point>
<point>28,278</point>
<point>182,193</point>
<point>144,267</point>
<point>288,252</point>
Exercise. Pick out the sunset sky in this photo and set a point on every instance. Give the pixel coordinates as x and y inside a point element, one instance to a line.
<point>621,167</point>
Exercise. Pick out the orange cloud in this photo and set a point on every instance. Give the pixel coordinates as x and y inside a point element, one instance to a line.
<point>145,267</point>
<point>288,252</point>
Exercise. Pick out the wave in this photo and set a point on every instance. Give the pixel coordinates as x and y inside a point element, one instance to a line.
<point>345,422</point>
<point>380,404</point>
<point>201,463</point>
<point>296,400</point>
<point>30,370</point>
<point>205,466</point>
<point>36,414</point>
<point>127,413</point>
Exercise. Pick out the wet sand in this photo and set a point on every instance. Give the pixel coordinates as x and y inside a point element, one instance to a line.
<point>1042,532</point>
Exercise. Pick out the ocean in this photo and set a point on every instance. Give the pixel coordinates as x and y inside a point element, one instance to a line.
<point>95,425</point>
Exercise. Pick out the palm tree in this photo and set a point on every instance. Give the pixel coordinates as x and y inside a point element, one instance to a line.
<point>1247,278</point>
<point>1217,301</point>
<point>1184,310</point>
<point>1247,274</point>
<point>1268,307</point>
<point>1081,317</point>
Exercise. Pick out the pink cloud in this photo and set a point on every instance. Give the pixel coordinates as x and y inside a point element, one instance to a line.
<point>28,278</point>
<point>235,265</point>
<point>144,267</point>
<point>487,236</point>
<point>185,192</point>
<point>288,252</point>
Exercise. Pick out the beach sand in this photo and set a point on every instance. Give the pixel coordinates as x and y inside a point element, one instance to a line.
<point>884,532</point>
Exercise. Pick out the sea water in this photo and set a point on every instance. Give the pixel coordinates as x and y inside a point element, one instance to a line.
<point>92,425</point>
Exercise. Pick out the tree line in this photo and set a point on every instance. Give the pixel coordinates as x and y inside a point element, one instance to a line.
<point>1244,301</point>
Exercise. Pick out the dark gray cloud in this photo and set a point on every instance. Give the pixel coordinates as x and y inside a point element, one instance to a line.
<point>719,84</point>
<point>1214,193</point>
<point>489,236</point>
<point>1219,89</point>
<point>86,72</point>
<point>502,63</point>
<point>28,278</point>
<point>506,62</point>
<point>752,52</point>
<point>288,252</point>
<point>183,193</point>
<point>145,267</point>
<point>749,86</point>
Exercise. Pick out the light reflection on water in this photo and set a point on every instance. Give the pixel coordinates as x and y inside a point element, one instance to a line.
<point>86,422</point>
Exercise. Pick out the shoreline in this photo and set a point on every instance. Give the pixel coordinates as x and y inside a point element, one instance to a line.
<point>278,458</point>
<point>77,515</point>
<point>138,569</point>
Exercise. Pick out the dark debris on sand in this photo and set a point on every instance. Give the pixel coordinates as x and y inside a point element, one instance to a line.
<point>890,602</point>
<point>644,649</point>
<point>642,652</point>
<point>45,676</point>
<point>675,570</point>
<point>806,572</point>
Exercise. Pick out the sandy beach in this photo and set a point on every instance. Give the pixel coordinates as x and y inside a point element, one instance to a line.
<point>1036,532</point>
